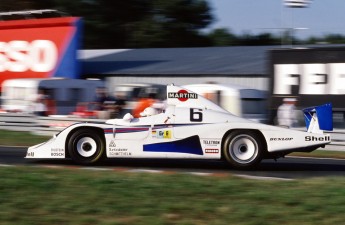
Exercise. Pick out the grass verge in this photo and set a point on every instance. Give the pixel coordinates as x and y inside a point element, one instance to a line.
<point>67,196</point>
<point>18,138</point>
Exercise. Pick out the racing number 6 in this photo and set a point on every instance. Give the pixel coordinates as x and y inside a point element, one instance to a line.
<point>195,115</point>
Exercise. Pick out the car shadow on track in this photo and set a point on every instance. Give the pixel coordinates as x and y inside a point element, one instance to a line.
<point>282,165</point>
<point>146,163</point>
<point>289,167</point>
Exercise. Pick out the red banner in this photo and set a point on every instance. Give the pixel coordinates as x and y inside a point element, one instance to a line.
<point>39,48</point>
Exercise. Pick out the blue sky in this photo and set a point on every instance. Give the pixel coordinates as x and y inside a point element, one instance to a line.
<point>258,16</point>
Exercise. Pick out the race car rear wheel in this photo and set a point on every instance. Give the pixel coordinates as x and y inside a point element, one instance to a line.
<point>243,149</point>
<point>86,146</point>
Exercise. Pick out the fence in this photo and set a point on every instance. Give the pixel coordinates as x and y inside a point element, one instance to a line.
<point>47,126</point>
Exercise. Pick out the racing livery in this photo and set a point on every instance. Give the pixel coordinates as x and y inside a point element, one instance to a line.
<point>190,127</point>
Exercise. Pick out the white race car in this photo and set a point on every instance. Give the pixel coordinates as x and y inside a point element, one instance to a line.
<point>190,127</point>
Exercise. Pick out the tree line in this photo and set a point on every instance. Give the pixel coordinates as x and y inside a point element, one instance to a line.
<point>155,23</point>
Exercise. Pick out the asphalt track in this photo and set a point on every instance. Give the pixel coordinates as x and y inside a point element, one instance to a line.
<point>284,168</point>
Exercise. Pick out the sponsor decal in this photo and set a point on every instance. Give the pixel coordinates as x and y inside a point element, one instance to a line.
<point>162,134</point>
<point>154,134</point>
<point>211,142</point>
<point>113,151</point>
<point>212,150</point>
<point>212,146</point>
<point>182,95</point>
<point>120,154</point>
<point>112,144</point>
<point>166,134</point>
<point>30,154</point>
<point>281,139</point>
<point>118,149</point>
<point>21,56</point>
<point>57,152</point>
<point>314,138</point>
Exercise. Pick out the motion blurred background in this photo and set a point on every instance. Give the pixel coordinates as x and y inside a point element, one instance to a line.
<point>68,61</point>
<point>100,59</point>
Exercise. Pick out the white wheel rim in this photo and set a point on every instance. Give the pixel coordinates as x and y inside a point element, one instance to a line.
<point>86,146</point>
<point>243,149</point>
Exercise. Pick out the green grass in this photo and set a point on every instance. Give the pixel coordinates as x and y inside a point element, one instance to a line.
<point>16,138</point>
<point>67,196</point>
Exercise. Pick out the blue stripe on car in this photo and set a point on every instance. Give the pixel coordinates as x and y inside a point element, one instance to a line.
<point>131,129</point>
<point>190,145</point>
<point>126,129</point>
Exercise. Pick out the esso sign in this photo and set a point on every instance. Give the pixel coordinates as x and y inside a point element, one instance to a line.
<point>22,56</point>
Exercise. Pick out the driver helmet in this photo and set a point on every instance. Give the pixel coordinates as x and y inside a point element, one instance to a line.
<point>149,111</point>
<point>128,117</point>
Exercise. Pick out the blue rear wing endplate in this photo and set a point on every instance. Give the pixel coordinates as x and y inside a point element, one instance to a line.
<point>324,116</point>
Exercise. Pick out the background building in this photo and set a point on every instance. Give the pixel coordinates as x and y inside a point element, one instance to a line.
<point>247,66</point>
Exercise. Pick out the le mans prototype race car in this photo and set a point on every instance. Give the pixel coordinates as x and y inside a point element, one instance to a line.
<point>190,127</point>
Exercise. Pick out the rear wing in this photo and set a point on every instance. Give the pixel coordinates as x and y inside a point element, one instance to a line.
<point>319,118</point>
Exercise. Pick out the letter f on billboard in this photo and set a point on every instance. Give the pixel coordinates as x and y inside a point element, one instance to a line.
<point>286,79</point>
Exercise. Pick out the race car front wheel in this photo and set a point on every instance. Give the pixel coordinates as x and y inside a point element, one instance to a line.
<point>243,149</point>
<point>86,146</point>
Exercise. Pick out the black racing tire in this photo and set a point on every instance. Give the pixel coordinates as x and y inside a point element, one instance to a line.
<point>86,146</point>
<point>243,149</point>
